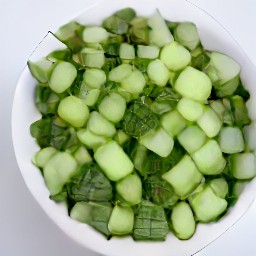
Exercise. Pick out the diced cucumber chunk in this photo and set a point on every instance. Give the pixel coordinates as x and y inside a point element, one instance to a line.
<point>231,140</point>
<point>134,83</point>
<point>130,189</point>
<point>127,14</point>
<point>239,187</point>
<point>250,135</point>
<point>207,206</point>
<point>89,97</point>
<point>121,137</point>
<point>58,170</point>
<point>121,220</point>
<point>209,158</point>
<point>219,186</point>
<point>160,107</point>
<point>159,33</point>
<point>173,122</point>
<point>66,31</point>
<point>63,75</point>
<point>243,165</point>
<point>184,176</point>
<point>43,156</point>
<point>183,221</point>
<point>222,68</point>
<point>210,122</point>
<point>193,84</point>
<point>127,51</point>
<point>158,141</point>
<point>147,51</point>
<point>95,34</point>
<point>186,34</point>
<point>74,111</point>
<point>90,139</point>
<point>158,73</point>
<point>192,138</point>
<point>190,109</point>
<point>113,161</point>
<point>81,212</point>
<point>99,125</point>
<point>82,155</point>
<point>175,56</point>
<point>92,58</point>
<point>119,73</point>
<point>94,78</point>
<point>219,108</point>
<point>112,107</point>
<point>41,70</point>
<point>139,157</point>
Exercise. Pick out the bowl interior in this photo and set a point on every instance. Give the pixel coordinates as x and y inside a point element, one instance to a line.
<point>213,37</point>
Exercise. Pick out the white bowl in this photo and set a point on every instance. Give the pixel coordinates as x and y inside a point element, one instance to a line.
<point>214,37</point>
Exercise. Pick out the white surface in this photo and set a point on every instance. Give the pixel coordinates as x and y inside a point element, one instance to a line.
<point>25,229</point>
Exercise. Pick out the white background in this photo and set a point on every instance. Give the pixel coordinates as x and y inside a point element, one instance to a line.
<point>25,230</point>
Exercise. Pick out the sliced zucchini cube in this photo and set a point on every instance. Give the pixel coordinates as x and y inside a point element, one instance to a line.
<point>113,161</point>
<point>158,141</point>
<point>206,205</point>
<point>243,165</point>
<point>121,220</point>
<point>184,176</point>
<point>192,138</point>
<point>231,140</point>
<point>127,51</point>
<point>209,158</point>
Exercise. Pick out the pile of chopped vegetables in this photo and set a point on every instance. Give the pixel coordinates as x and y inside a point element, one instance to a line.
<point>142,128</point>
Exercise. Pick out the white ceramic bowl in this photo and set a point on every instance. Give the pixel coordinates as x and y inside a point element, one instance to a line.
<point>214,37</point>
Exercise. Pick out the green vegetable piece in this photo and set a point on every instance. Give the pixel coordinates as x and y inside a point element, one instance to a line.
<point>94,78</point>
<point>82,156</point>
<point>209,158</point>
<point>184,176</point>
<point>210,122</point>
<point>119,73</point>
<point>126,14</point>
<point>89,184</point>
<point>220,187</point>
<point>160,192</point>
<point>192,138</point>
<point>121,220</point>
<point>43,156</point>
<point>231,140</point>
<point>173,122</point>
<point>113,107</point>
<point>113,161</point>
<point>95,214</point>
<point>59,55</point>
<point>99,125</point>
<point>116,25</point>
<point>127,51</point>
<point>130,189</point>
<point>134,83</point>
<point>89,97</point>
<point>186,34</point>
<point>41,70</point>
<point>159,34</point>
<point>207,206</point>
<point>90,139</point>
<point>147,51</point>
<point>158,141</point>
<point>58,170</point>
<point>243,165</point>
<point>138,120</point>
<point>150,223</point>
<point>190,109</point>
<point>175,56</point>
<point>158,73</point>
<point>193,84</point>
<point>94,34</point>
<point>121,137</point>
<point>239,110</point>
<point>63,75</point>
<point>74,111</point>
<point>183,221</point>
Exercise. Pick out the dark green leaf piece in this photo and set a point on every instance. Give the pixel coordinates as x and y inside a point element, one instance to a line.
<point>150,223</point>
<point>90,184</point>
